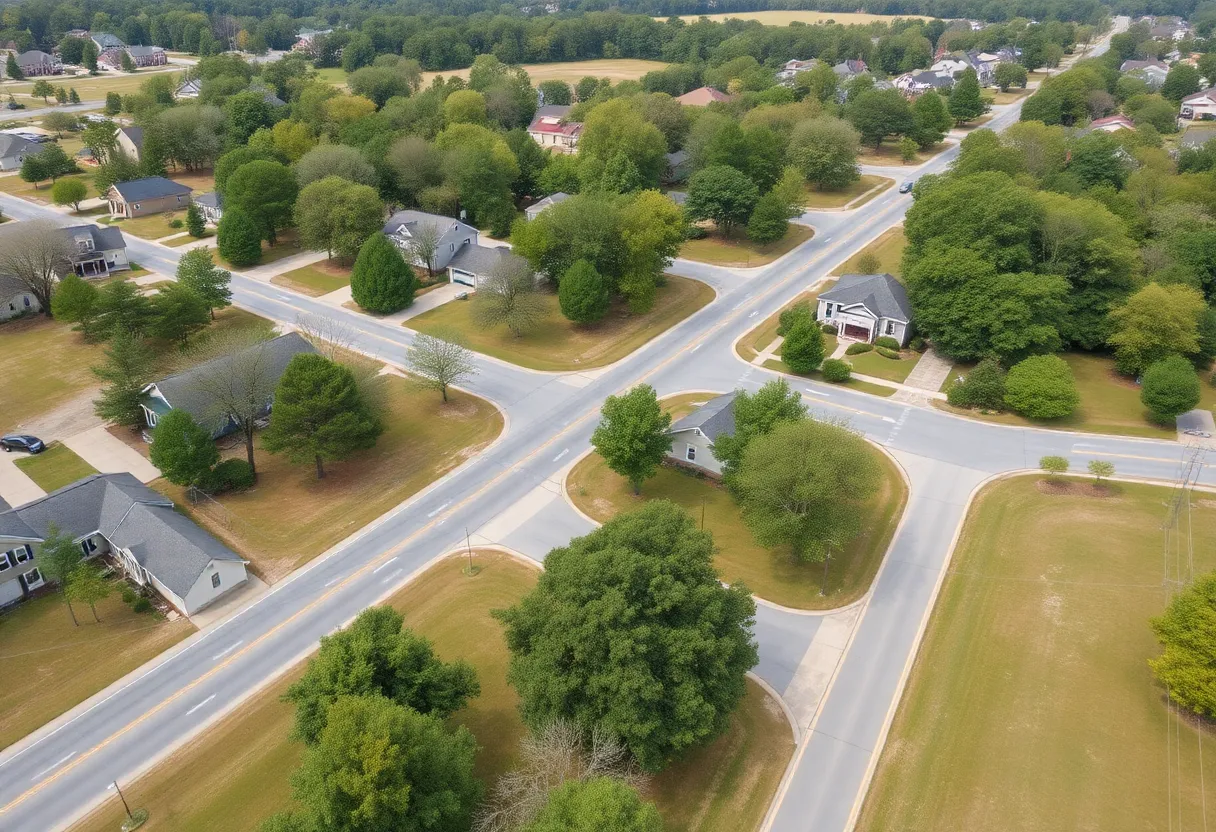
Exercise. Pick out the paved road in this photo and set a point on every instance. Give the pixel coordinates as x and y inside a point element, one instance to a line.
<point>61,771</point>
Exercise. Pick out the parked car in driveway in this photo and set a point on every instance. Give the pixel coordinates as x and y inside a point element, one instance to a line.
<point>906,187</point>
<point>22,442</point>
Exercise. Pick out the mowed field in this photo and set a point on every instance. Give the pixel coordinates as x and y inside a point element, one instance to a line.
<point>785,18</point>
<point>1031,705</point>
<point>623,69</point>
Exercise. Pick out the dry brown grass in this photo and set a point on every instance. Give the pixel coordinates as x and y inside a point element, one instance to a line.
<point>888,247</point>
<point>740,252</point>
<point>621,69</point>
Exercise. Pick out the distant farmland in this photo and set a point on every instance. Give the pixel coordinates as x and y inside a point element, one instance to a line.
<point>623,69</point>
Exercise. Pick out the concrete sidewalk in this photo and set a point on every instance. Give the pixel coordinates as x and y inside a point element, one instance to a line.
<point>110,455</point>
<point>424,303</point>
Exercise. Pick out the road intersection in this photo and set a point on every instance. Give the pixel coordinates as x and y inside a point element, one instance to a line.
<point>510,495</point>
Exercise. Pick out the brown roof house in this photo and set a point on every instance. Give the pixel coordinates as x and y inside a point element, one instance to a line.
<point>702,97</point>
<point>150,195</point>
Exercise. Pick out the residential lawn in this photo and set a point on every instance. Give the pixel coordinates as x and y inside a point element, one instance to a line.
<point>813,199</point>
<point>45,364</point>
<point>335,75</point>
<point>290,516</point>
<point>181,241</point>
<point>286,245</point>
<point>55,467</point>
<point>315,280</point>
<point>1008,97</point>
<point>1110,403</point>
<point>741,252</point>
<point>1031,705</point>
<point>559,344</point>
<point>785,18</point>
<point>615,69</point>
<point>49,666</point>
<point>151,227</point>
<point>853,383</point>
<point>771,574</point>
<point>200,181</point>
<point>18,187</point>
<point>888,154</point>
<point>892,369</point>
<point>888,248</point>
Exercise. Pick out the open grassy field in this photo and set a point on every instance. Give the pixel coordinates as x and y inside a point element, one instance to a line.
<point>39,191</point>
<point>28,347</point>
<point>151,227</point>
<point>888,153</point>
<point>619,69</point>
<point>868,184</point>
<point>1110,402</point>
<point>89,88</point>
<point>1031,705</point>
<point>888,248</point>
<point>315,280</point>
<point>238,772</point>
<point>785,18</point>
<point>740,252</point>
<point>49,666</point>
<point>559,344</point>
<point>290,516</point>
<point>55,467</point>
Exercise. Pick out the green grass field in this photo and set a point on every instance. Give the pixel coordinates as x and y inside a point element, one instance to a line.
<point>315,280</point>
<point>27,348</point>
<point>1031,705</point>
<point>559,344</point>
<point>818,200</point>
<point>740,252</point>
<point>888,248</point>
<point>891,369</point>
<point>55,467</point>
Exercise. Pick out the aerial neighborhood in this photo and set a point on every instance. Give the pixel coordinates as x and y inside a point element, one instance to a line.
<point>563,417</point>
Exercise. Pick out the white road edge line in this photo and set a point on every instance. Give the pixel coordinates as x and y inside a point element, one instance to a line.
<point>52,767</point>
<point>200,704</point>
<point>562,454</point>
<point>227,650</point>
<point>436,511</point>
<point>386,563</point>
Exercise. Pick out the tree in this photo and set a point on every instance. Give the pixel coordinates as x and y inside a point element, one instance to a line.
<point>376,655</point>
<point>126,371</point>
<point>89,55</point>
<point>61,123</point>
<point>634,434</point>
<point>76,301</point>
<point>803,485</point>
<point>629,629</point>
<point>982,388</point>
<point>1101,469</point>
<point>556,93</point>
<point>113,104</point>
<point>12,70</point>
<point>35,252</point>
<point>582,295</point>
<point>1181,81</point>
<point>43,89</point>
<point>1042,387</point>
<point>128,65</point>
<point>441,362</point>
<point>122,307</point>
<point>1155,322</point>
<point>34,169</point>
<point>240,239</point>
<point>178,312</point>
<point>465,107</point>
<point>599,805</point>
<point>802,350</point>
<point>756,414</point>
<point>88,585</point>
<point>266,191</point>
<point>820,82</point>
<point>69,192</point>
<point>1009,75</point>
<point>722,194</point>
<point>335,160</point>
<point>825,151</point>
<point>966,103</point>
<point>769,221</point>
<point>424,246</point>
<point>617,128</point>
<point>381,281</point>
<point>1186,632</point>
<point>907,149</point>
<point>340,216</point>
<point>58,556</point>
<point>231,161</point>
<point>508,296</point>
<point>868,263</point>
<point>73,96</point>
<point>1170,388</point>
<point>1097,158</point>
<point>319,413</point>
<point>245,113</point>
<point>61,95</point>
<point>880,113</point>
<point>377,766</point>
<point>195,224</point>
<point>931,119</point>
<point>183,451</point>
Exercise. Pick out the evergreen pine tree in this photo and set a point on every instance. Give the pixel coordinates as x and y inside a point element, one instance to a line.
<point>381,282</point>
<point>966,103</point>
<point>240,238</point>
<point>12,70</point>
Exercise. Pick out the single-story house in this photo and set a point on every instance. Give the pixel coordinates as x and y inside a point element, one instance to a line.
<point>97,250</point>
<point>912,84</point>
<point>116,514</point>
<point>679,166</point>
<point>34,63</point>
<point>549,129</point>
<point>1110,124</point>
<point>1197,135</point>
<point>211,206</point>
<point>16,298</point>
<point>866,306</point>
<point>693,436</point>
<point>702,97</point>
<point>185,391</point>
<point>150,195</point>
<point>14,149</point>
<point>189,89</point>
<point>451,234</point>
<point>131,142</point>
<point>537,208</point>
<point>473,264</point>
<point>1200,105</point>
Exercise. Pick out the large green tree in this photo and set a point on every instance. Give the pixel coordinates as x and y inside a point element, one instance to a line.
<point>338,216</point>
<point>239,238</point>
<point>319,413</point>
<point>1042,387</point>
<point>824,150</point>
<point>1170,388</point>
<point>616,128</point>
<point>1187,634</point>
<point>125,372</point>
<point>381,281</point>
<point>966,103</point>
<point>1154,323</point>
<point>633,435</point>
<point>880,113</point>
<point>601,804</point>
<point>197,272</point>
<point>582,294</point>
<point>178,312</point>
<point>756,414</point>
<point>266,191</point>
<point>183,451</point>
<point>723,194</point>
<point>630,630</point>
<point>931,119</point>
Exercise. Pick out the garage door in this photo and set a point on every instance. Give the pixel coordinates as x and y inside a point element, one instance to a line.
<point>464,278</point>
<point>854,331</point>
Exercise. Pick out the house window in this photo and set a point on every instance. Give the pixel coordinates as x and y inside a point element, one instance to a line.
<point>33,579</point>
<point>26,300</point>
<point>88,546</point>
<point>215,581</point>
<point>890,327</point>
<point>691,454</point>
<point>827,310</point>
<point>4,561</point>
<point>22,555</point>
<point>135,206</point>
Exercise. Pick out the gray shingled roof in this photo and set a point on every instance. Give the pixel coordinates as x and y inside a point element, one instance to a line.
<point>182,390</point>
<point>150,187</point>
<point>1197,136</point>
<point>411,219</point>
<point>882,294</point>
<point>132,517</point>
<point>11,145</point>
<point>551,199</point>
<point>142,51</point>
<point>11,286</point>
<point>104,238</point>
<point>135,134</point>
<point>714,418</point>
<point>211,199</point>
<point>481,260</point>
<point>34,57</point>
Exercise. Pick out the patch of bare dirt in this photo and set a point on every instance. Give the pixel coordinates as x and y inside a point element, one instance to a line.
<point>1072,487</point>
<point>458,409</point>
<point>70,418</point>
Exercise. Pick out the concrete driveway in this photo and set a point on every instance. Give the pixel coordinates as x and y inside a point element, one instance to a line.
<point>110,455</point>
<point>15,487</point>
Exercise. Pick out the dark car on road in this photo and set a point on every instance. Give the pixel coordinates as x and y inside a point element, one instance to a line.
<point>907,186</point>
<point>22,442</point>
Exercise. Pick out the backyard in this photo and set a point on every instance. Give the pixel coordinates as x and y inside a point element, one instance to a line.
<point>49,666</point>
<point>55,467</point>
<point>236,774</point>
<point>868,186</point>
<point>740,252</point>
<point>315,280</point>
<point>559,344</point>
<point>1031,705</point>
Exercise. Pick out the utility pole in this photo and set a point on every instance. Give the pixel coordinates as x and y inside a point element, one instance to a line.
<point>125,806</point>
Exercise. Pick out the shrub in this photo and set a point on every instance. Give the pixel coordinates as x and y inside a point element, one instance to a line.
<point>886,341</point>
<point>836,370</point>
<point>696,232</point>
<point>230,475</point>
<point>889,353</point>
<point>128,595</point>
<point>142,605</point>
<point>830,329</point>
<point>858,348</point>
<point>1054,465</point>
<point>381,281</point>
<point>798,311</point>
<point>803,347</point>
<point>240,240</point>
<point>1170,387</point>
<point>983,387</point>
<point>917,344</point>
<point>1042,387</point>
<point>176,224</point>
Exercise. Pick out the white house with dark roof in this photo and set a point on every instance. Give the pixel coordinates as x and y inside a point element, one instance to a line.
<point>863,307</point>
<point>1200,105</point>
<point>116,514</point>
<point>537,208</point>
<point>16,298</point>
<point>14,149</point>
<point>693,436</point>
<point>550,130</point>
<point>211,206</point>
<point>96,250</point>
<point>457,250</point>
